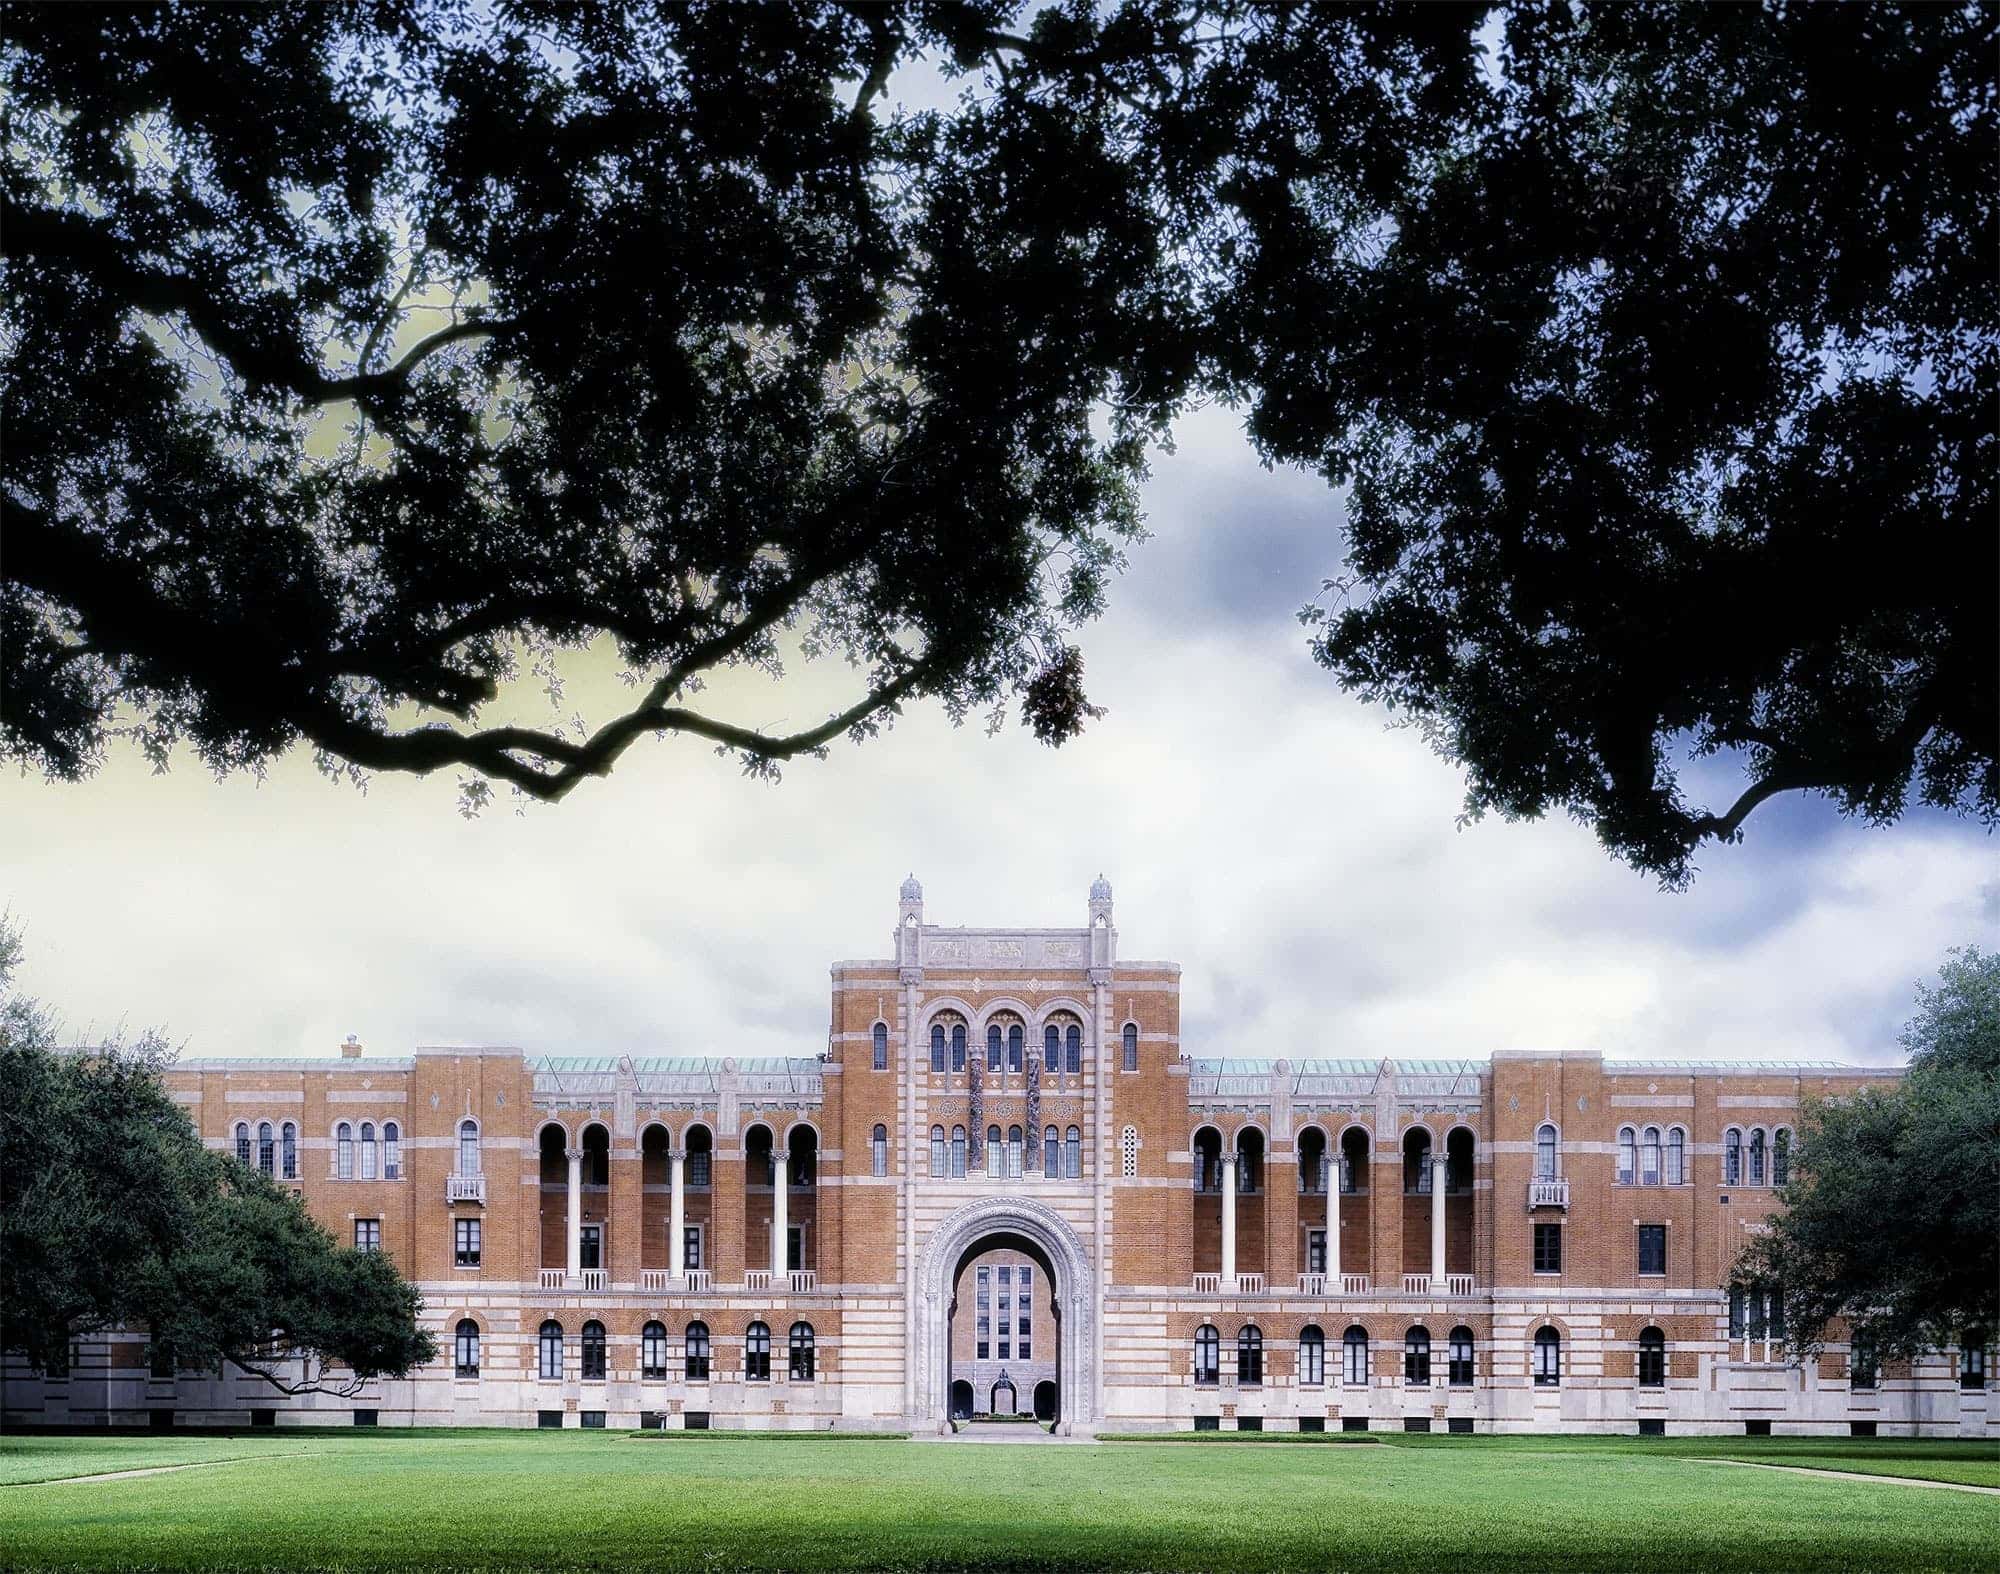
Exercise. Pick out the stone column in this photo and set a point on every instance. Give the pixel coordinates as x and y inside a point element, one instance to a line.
<point>1437,1220</point>
<point>1229,1221</point>
<point>574,1202</point>
<point>677,1213</point>
<point>780,1184</point>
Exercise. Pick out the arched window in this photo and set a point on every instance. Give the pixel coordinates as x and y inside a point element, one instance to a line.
<point>465,1349</point>
<point>1128,1153</point>
<point>996,1157</point>
<point>243,1143</point>
<point>552,1351</point>
<point>1207,1355</point>
<point>1072,1154</point>
<point>937,1047</point>
<point>695,1356</point>
<point>958,1046</point>
<point>1051,1153</point>
<point>1649,1156</point>
<point>1249,1356</point>
<point>1676,1156</point>
<point>288,1151</point>
<point>593,1352</point>
<point>878,1151</point>
<point>802,1352</point>
<point>1130,1041</point>
<point>1354,1353</point>
<point>1417,1162</point>
<point>1073,1049</point>
<point>1417,1357</point>
<point>1628,1156</point>
<point>367,1150</point>
<point>1311,1145</point>
<point>700,1157</point>
<point>1014,1046</point>
<point>1732,1157</point>
<point>468,1147</point>
<point>757,1354</point>
<point>958,1152</point>
<point>995,1047</point>
<point>881,1046</point>
<point>1781,1156</point>
<point>267,1148</point>
<point>1013,1153</point>
<point>653,1351</point>
<point>1545,1153</point>
<point>1458,1358</point>
<point>1548,1358</point>
<point>1312,1356</point>
<point>392,1151</point>
<point>1652,1358</point>
<point>1971,1359</point>
<point>938,1158</point>
<point>343,1151</point>
<point>1757,1156</point>
<point>1052,1049</point>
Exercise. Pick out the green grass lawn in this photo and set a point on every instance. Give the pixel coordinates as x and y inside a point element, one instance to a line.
<point>395,1499</point>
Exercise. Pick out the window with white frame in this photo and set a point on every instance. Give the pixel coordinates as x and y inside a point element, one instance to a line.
<point>1354,1356</point>
<point>1312,1356</point>
<point>243,1143</point>
<point>1676,1157</point>
<point>1459,1358</point>
<point>1757,1156</point>
<point>1207,1355</point>
<point>937,1049</point>
<point>1972,1359</point>
<point>1781,1156</point>
<point>1548,1358</point>
<point>468,1147</point>
<point>465,1349</point>
<point>1013,1153</point>
<point>343,1151</point>
<point>368,1235</point>
<point>881,1046</point>
<point>1024,1315</point>
<point>1652,1368</point>
<point>878,1151</point>
<point>1073,1049</point>
<point>367,1150</point>
<point>550,1342</point>
<point>695,1353</point>
<point>653,1351</point>
<point>938,1159</point>
<point>288,1151</point>
<point>958,1153</point>
<point>800,1349</point>
<point>1649,1156</point>
<point>267,1148</point>
<point>1417,1357</point>
<point>996,1156</point>
<point>1250,1356</point>
<point>1072,1154</point>
<point>1732,1157</point>
<point>1051,1153</point>
<point>982,1332</point>
<point>757,1354</point>
<point>1129,1043</point>
<point>465,1243</point>
<point>1545,1153</point>
<point>1628,1156</point>
<point>392,1151</point>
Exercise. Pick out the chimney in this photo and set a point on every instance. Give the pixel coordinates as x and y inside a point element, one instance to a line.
<point>351,1050</point>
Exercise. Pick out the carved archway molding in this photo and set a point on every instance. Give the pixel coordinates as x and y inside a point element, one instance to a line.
<point>1075,1290</point>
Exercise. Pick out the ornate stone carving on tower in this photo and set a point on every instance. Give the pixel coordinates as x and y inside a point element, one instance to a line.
<point>909,931</point>
<point>1103,937</point>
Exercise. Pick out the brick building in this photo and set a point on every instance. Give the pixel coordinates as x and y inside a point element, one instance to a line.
<point>1535,1242</point>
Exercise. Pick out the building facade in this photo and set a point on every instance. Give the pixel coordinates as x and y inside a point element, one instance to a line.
<point>1005,1131</point>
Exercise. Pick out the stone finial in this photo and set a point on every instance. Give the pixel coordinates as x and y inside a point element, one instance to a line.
<point>1100,889</point>
<point>913,891</point>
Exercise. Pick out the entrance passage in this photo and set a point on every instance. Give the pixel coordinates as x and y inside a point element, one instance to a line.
<point>961,1400</point>
<point>1045,1401</point>
<point>1005,1328</point>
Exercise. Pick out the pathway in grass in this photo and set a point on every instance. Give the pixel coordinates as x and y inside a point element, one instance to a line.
<point>1854,1475</point>
<point>589,1501</point>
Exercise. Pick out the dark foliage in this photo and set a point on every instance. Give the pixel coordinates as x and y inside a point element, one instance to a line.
<point>362,355</point>
<point>112,1212</point>
<point>1924,1155</point>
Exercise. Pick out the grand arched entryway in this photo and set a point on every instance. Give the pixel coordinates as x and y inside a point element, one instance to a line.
<point>1040,1234</point>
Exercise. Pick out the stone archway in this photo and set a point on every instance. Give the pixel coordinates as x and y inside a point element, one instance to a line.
<point>1072,1282</point>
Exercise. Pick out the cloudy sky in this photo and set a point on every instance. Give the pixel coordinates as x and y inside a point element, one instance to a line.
<point>1294,854</point>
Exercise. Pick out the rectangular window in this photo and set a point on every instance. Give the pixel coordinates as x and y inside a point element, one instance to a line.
<point>1249,1423</point>
<point>1458,1424</point>
<point>368,1235</point>
<point>1312,1423</point>
<point>591,1418</point>
<point>465,1243</point>
<point>1315,1251</point>
<point>698,1167</point>
<point>590,1247</point>
<point>1006,1313</point>
<point>795,1247</point>
<point>1024,1304</point>
<point>549,1418</point>
<point>1862,1368</point>
<point>366,1417</point>
<point>1354,1423</point>
<point>1208,1423</point>
<point>1312,1362</point>
<point>1652,1248</point>
<point>983,1302</point>
<point>691,1246</point>
<point>1548,1248</point>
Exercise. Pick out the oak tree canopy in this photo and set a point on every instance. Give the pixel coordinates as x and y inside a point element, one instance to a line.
<point>361,358</point>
